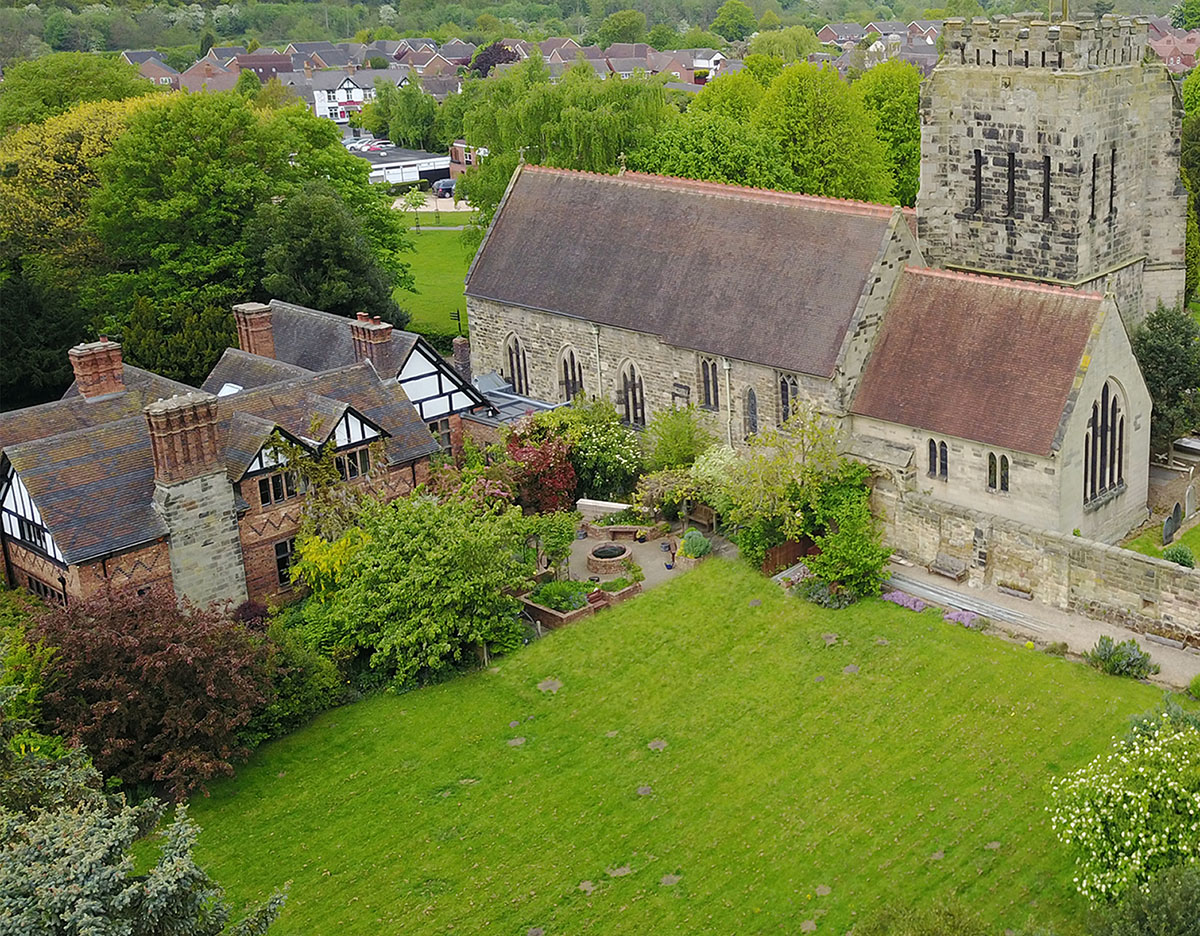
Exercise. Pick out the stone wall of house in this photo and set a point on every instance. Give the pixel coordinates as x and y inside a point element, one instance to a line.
<point>986,96</point>
<point>1067,572</point>
<point>205,550</point>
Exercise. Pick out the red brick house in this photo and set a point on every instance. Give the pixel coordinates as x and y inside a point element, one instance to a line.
<point>132,480</point>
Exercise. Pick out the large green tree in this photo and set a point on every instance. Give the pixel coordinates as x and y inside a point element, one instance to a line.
<point>406,116</point>
<point>179,191</point>
<point>314,253</point>
<point>734,20</point>
<point>737,96</point>
<point>827,134</point>
<point>1167,346</point>
<point>622,26</point>
<point>891,91</point>
<point>792,44</point>
<point>37,89</point>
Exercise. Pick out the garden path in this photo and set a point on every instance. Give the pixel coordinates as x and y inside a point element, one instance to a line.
<point>1032,620</point>
<point>650,556</point>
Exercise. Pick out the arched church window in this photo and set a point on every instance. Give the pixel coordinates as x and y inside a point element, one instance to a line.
<point>633,395</point>
<point>943,461</point>
<point>710,393</point>
<point>1004,472</point>
<point>751,416</point>
<point>1104,445</point>
<point>570,378</point>
<point>933,458</point>
<point>993,471</point>
<point>789,392</point>
<point>997,472</point>
<point>518,365</point>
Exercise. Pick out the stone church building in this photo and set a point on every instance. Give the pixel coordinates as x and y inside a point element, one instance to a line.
<point>974,352</point>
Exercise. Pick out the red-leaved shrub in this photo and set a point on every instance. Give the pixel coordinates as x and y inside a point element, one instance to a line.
<point>157,694</point>
<point>545,477</point>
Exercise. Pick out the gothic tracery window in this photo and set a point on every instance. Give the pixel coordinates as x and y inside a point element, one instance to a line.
<point>633,395</point>
<point>571,374</point>
<point>518,365</point>
<point>710,394</point>
<point>751,416</point>
<point>1104,445</point>
<point>789,392</point>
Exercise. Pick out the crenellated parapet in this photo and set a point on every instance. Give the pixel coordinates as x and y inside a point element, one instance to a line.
<point>1066,46</point>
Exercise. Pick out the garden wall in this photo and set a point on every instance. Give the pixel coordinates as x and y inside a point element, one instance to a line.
<point>1067,572</point>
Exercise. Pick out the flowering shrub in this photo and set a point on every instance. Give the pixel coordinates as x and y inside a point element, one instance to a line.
<point>605,454</point>
<point>965,618</point>
<point>1120,659</point>
<point>1134,812</point>
<point>905,601</point>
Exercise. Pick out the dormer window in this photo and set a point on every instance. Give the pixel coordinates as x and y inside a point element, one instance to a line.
<point>355,464</point>
<point>281,486</point>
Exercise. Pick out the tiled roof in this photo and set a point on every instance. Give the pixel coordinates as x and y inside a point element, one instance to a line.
<point>94,487</point>
<point>320,341</point>
<point>772,278</point>
<point>248,371</point>
<point>89,467</point>
<point>981,358</point>
<point>140,56</point>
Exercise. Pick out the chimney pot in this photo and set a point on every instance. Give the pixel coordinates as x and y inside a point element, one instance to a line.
<point>363,317</point>
<point>99,369</point>
<point>255,333</point>
<point>183,437</point>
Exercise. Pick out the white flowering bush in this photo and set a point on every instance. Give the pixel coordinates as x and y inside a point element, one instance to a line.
<point>1134,812</point>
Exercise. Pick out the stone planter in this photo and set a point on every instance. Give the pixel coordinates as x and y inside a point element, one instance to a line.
<point>600,562</point>
<point>551,619</point>
<point>617,597</point>
<point>686,563</point>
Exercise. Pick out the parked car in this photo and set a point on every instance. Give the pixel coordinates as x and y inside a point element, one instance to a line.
<point>444,188</point>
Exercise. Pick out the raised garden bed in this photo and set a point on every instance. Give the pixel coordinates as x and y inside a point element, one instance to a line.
<point>551,619</point>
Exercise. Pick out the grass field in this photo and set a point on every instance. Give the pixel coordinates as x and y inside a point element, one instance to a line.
<point>439,266</point>
<point>1149,543</point>
<point>787,790</point>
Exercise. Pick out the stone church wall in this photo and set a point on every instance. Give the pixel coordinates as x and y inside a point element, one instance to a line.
<point>1103,582</point>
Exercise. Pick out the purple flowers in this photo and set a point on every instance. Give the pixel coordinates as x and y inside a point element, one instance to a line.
<point>905,601</point>
<point>965,618</point>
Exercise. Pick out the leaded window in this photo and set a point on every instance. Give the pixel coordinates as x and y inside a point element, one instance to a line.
<point>751,415</point>
<point>710,394</point>
<point>1104,445</point>
<point>633,395</point>
<point>570,375</point>
<point>284,553</point>
<point>789,393</point>
<point>518,366</point>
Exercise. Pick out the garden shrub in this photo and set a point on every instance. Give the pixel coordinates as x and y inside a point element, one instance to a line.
<point>1058,648</point>
<point>1169,905</point>
<point>628,516</point>
<point>545,477</point>
<point>1194,687</point>
<point>157,694</point>
<point>852,551</point>
<point>633,571</point>
<point>561,596</point>
<point>675,438</point>
<point>1180,555</point>
<point>605,454</point>
<point>1147,724</point>
<point>1120,659</point>
<point>826,594</point>
<point>1134,812</point>
<point>304,684</point>
<point>695,545</point>
<point>616,584</point>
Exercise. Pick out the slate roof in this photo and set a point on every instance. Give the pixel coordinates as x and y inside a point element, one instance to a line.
<point>307,48</point>
<point>140,56</point>
<point>320,341</point>
<point>981,358</point>
<point>89,466</point>
<point>771,278</point>
<point>248,371</point>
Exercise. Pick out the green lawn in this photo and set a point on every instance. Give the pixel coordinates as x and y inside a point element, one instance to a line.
<point>1149,543</point>
<point>439,267</point>
<point>924,773</point>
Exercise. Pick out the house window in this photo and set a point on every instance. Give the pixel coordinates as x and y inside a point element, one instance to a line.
<point>518,365</point>
<point>708,373</point>
<point>30,532</point>
<point>751,417</point>
<point>44,591</point>
<point>468,157</point>
<point>571,377</point>
<point>278,487</point>
<point>284,553</point>
<point>330,95</point>
<point>1104,445</point>
<point>997,472</point>
<point>789,392</point>
<point>441,433</point>
<point>633,395</point>
<point>355,464</point>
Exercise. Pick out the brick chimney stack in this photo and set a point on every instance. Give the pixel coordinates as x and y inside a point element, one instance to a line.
<point>255,334</point>
<point>98,367</point>
<point>462,357</point>
<point>183,437</point>
<point>372,341</point>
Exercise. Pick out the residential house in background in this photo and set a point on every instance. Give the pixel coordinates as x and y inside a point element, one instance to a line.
<point>161,74</point>
<point>266,65</point>
<point>223,55</point>
<point>887,28</point>
<point>1178,52</point>
<point>207,75</point>
<point>458,52</point>
<point>463,157</point>
<point>842,34</point>
<point>927,30</point>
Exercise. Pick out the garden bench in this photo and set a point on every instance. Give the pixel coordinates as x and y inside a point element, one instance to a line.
<point>701,515</point>
<point>949,567</point>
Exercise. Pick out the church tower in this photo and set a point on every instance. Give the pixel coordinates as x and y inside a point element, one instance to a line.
<point>1051,153</point>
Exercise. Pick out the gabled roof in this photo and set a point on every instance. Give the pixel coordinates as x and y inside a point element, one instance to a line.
<point>319,341</point>
<point>139,56</point>
<point>248,371</point>
<point>307,48</point>
<point>981,358</point>
<point>152,64</point>
<point>773,278</point>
